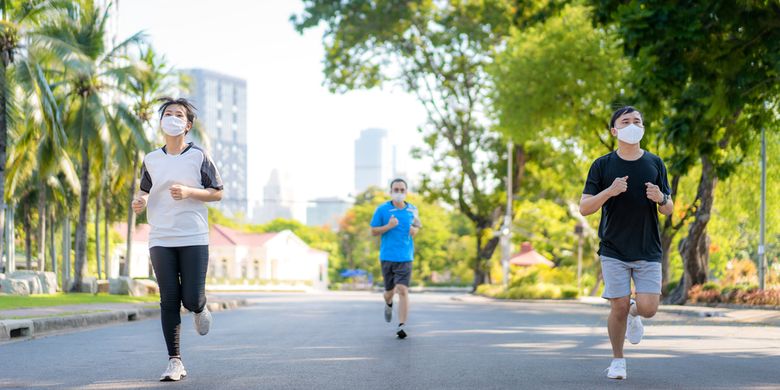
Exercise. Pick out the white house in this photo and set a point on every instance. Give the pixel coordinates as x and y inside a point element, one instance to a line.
<point>234,255</point>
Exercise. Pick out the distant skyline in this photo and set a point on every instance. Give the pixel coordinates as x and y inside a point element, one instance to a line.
<point>294,123</point>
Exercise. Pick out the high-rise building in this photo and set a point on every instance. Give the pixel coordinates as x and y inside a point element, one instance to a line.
<point>373,160</point>
<point>221,104</point>
<point>327,212</point>
<point>277,200</point>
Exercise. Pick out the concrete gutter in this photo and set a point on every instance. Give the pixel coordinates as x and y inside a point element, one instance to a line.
<point>11,330</point>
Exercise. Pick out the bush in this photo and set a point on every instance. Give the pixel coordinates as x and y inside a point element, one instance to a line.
<point>543,274</point>
<point>743,294</point>
<point>698,294</point>
<point>489,290</point>
<point>671,286</point>
<point>569,292</point>
<point>710,286</point>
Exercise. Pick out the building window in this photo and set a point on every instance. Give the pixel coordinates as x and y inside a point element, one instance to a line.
<point>235,96</point>
<point>219,92</point>
<point>235,117</point>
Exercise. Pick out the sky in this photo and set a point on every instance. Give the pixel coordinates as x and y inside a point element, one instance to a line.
<point>294,123</point>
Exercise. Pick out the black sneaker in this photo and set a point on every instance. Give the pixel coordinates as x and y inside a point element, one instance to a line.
<point>401,331</point>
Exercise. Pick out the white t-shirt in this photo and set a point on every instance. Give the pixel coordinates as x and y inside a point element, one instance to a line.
<point>176,223</point>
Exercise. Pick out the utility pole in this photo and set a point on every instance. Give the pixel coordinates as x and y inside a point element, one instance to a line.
<point>506,230</point>
<point>579,230</point>
<point>761,248</point>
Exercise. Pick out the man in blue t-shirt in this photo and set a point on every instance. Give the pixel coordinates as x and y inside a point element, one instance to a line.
<point>397,222</point>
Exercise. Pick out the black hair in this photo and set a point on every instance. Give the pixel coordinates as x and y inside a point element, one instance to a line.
<point>398,180</point>
<point>620,112</point>
<point>169,101</point>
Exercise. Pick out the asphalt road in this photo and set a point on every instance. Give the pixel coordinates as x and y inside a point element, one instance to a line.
<point>340,341</point>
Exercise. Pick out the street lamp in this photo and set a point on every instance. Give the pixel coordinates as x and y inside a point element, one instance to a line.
<point>761,247</point>
<point>579,230</point>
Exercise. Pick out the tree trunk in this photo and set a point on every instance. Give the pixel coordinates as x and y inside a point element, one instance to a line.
<point>667,236</point>
<point>669,231</point>
<point>3,144</point>
<point>106,251</point>
<point>97,233</point>
<point>42,227</point>
<point>479,274</point>
<point>694,248</point>
<point>66,239</point>
<point>52,247</point>
<point>484,254</point>
<point>80,266</point>
<point>130,219</point>
<point>27,239</point>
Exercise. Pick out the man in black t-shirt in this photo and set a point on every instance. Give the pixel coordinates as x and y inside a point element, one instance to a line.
<point>630,187</point>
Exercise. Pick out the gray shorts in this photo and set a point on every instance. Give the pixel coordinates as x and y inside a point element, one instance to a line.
<point>618,274</point>
<point>395,272</point>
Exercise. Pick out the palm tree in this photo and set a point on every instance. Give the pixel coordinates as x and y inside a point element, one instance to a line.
<point>150,77</point>
<point>16,18</point>
<point>88,69</point>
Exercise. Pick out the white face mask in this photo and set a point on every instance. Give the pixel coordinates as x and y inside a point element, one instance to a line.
<point>631,134</point>
<point>173,126</point>
<point>398,197</point>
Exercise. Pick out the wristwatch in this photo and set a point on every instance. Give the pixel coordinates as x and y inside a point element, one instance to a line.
<point>665,201</point>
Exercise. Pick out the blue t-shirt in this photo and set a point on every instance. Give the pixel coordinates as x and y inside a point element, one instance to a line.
<point>397,245</point>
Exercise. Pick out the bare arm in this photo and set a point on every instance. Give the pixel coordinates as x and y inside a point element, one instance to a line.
<point>139,203</point>
<point>180,192</point>
<point>654,193</point>
<point>667,209</point>
<point>589,204</point>
<point>378,231</point>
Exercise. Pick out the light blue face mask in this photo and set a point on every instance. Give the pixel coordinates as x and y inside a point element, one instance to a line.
<point>398,197</point>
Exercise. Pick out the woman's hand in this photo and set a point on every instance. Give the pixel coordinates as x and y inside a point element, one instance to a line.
<point>139,203</point>
<point>179,192</point>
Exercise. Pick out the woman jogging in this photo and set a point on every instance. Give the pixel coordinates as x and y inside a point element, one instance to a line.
<point>176,182</point>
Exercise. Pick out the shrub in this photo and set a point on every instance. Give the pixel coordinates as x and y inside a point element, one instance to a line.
<point>671,286</point>
<point>698,294</point>
<point>710,286</point>
<point>569,292</point>
<point>489,290</point>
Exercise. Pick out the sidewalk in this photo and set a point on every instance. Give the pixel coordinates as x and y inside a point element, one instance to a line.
<point>26,323</point>
<point>712,314</point>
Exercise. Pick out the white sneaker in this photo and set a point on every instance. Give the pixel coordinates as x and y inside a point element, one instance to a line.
<point>617,370</point>
<point>388,312</point>
<point>174,372</point>
<point>202,321</point>
<point>634,328</point>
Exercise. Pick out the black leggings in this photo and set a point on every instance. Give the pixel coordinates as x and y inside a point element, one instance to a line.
<point>181,275</point>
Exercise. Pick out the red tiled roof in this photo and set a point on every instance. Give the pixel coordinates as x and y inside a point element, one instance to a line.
<point>225,236</point>
<point>140,233</point>
<point>528,257</point>
<point>218,235</point>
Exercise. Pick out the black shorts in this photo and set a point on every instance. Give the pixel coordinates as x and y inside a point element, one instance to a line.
<point>395,272</point>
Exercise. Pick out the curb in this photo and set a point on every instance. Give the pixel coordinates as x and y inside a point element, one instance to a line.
<point>722,315</point>
<point>12,330</point>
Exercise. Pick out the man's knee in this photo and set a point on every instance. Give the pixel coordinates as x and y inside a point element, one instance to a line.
<point>620,306</point>
<point>646,309</point>
<point>402,290</point>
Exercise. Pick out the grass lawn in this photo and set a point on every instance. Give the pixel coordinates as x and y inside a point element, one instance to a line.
<point>8,302</point>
